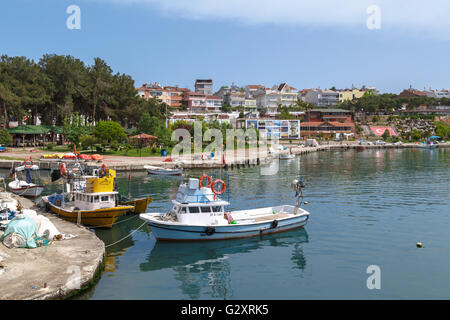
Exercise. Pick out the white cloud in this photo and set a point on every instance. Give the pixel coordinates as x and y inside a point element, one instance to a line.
<point>417,16</point>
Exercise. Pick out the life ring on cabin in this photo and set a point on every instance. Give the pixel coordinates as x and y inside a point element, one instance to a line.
<point>274,224</point>
<point>63,169</point>
<point>221,190</point>
<point>28,163</point>
<point>103,170</point>
<point>203,177</point>
<point>210,231</point>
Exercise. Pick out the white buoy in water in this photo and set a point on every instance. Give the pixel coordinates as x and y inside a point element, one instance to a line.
<point>305,202</point>
<point>419,245</point>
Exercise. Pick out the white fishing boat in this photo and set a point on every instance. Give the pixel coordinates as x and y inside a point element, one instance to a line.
<point>164,171</point>
<point>287,156</point>
<point>26,188</point>
<point>199,213</point>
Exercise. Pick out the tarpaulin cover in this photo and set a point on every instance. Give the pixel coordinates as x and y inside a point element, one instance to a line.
<point>24,227</point>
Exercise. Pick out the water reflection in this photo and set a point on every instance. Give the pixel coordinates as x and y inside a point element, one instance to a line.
<point>200,265</point>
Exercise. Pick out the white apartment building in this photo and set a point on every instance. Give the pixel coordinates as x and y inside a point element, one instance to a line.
<point>269,99</point>
<point>322,98</point>
<point>444,93</point>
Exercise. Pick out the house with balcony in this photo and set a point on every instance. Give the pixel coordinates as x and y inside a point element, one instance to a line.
<point>322,98</point>
<point>151,90</point>
<point>194,101</point>
<point>173,96</point>
<point>269,99</point>
<point>213,103</point>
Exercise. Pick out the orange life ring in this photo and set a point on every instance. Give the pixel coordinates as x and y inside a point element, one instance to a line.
<point>222,183</point>
<point>203,177</point>
<point>63,169</point>
<point>28,163</point>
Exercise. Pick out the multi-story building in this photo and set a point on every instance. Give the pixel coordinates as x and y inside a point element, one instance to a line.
<point>322,98</point>
<point>350,94</point>
<point>173,96</point>
<point>288,95</point>
<point>269,99</point>
<point>151,90</point>
<point>194,101</point>
<point>250,105</point>
<point>204,86</point>
<point>199,102</point>
<point>444,93</point>
<point>251,89</point>
<point>214,103</point>
<point>328,123</point>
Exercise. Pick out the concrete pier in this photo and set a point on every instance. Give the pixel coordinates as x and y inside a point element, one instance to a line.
<point>56,271</point>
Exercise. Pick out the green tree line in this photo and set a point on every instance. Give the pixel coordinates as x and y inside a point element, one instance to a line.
<point>57,86</point>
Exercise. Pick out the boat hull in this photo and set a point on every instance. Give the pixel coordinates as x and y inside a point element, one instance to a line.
<point>96,218</point>
<point>29,192</point>
<point>176,172</point>
<point>166,232</point>
<point>286,156</point>
<point>140,205</point>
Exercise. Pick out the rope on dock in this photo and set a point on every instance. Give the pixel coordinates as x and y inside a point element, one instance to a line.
<point>111,244</point>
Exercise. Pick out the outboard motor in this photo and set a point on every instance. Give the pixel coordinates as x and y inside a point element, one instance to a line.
<point>298,186</point>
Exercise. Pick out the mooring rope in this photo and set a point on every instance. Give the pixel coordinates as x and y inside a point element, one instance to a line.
<point>111,244</point>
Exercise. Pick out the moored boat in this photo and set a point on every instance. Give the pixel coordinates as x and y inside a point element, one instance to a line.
<point>286,156</point>
<point>199,213</point>
<point>26,188</point>
<point>92,203</point>
<point>164,171</point>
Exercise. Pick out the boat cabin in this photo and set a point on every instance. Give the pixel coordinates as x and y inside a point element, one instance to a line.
<point>94,201</point>
<point>198,205</point>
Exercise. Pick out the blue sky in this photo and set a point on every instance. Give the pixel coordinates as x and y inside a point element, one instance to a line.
<point>304,43</point>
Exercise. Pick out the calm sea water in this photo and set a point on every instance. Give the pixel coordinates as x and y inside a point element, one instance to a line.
<point>367,208</point>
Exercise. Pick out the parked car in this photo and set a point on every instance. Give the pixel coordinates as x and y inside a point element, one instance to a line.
<point>380,142</point>
<point>365,143</point>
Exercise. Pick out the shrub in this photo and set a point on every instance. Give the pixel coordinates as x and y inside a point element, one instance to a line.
<point>50,146</point>
<point>5,137</point>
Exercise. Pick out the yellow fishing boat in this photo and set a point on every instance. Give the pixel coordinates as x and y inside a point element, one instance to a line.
<point>93,202</point>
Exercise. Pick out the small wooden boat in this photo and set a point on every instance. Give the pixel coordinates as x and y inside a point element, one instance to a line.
<point>163,171</point>
<point>26,188</point>
<point>140,205</point>
<point>286,156</point>
<point>198,213</point>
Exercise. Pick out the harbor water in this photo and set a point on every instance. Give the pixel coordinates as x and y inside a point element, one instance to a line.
<point>367,208</point>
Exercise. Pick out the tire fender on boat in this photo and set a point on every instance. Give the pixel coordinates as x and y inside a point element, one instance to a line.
<point>210,231</point>
<point>274,224</point>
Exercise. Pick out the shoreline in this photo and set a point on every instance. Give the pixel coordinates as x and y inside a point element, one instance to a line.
<point>237,158</point>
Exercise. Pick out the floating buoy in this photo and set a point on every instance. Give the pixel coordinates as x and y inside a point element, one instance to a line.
<point>305,202</point>
<point>419,245</point>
